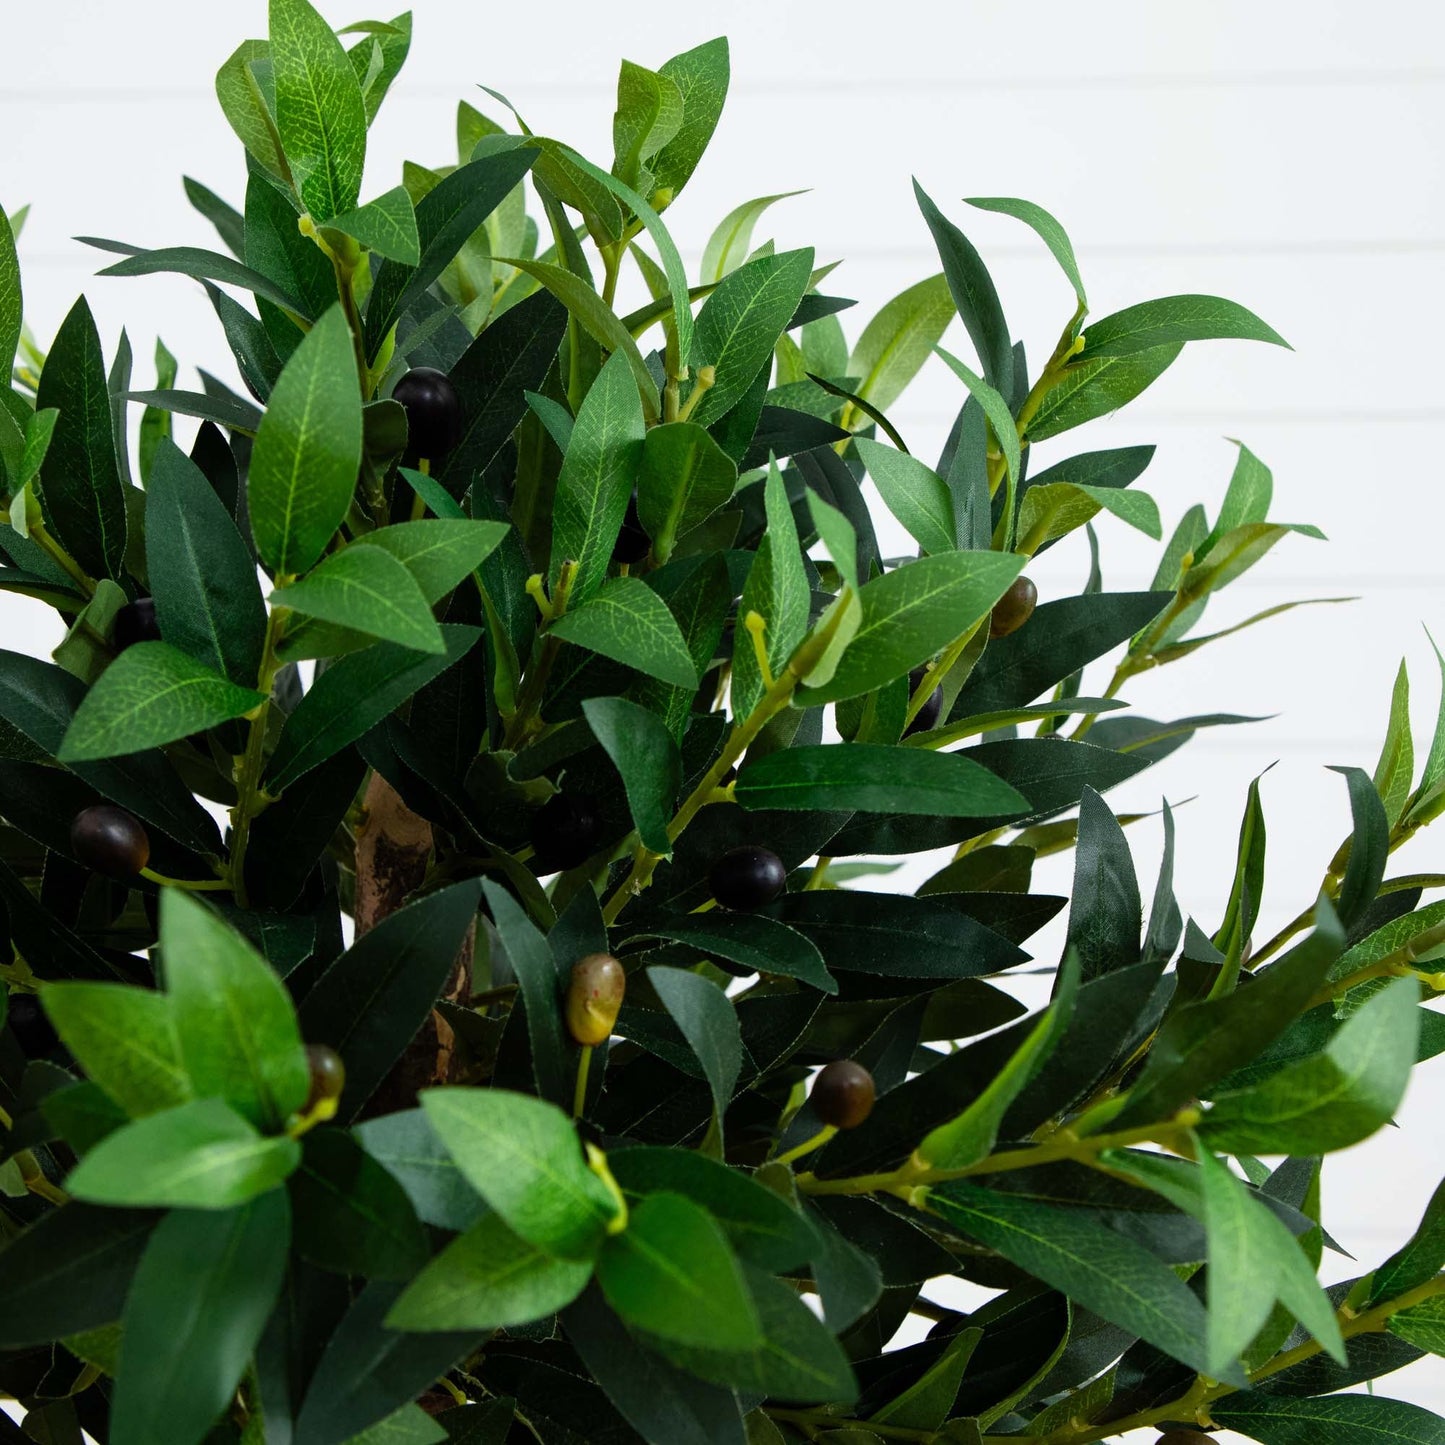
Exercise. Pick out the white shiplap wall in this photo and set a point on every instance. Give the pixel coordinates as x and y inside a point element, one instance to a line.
<point>1286,155</point>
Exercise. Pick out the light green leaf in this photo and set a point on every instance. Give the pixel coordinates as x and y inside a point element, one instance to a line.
<point>201,1155</point>
<point>1395,771</point>
<point>644,753</point>
<point>899,339</point>
<point>1094,387</point>
<point>308,448</point>
<point>488,1279</point>
<point>39,429</point>
<point>628,622</point>
<point>1057,508</point>
<point>1050,232</point>
<point>320,113</point>
<point>969,1137</point>
<point>597,477</point>
<point>836,533</point>
<point>249,108</point>
<point>777,590</point>
<point>125,1040</point>
<point>11,302</point>
<point>648,116</point>
<point>1335,1098</point>
<point>438,552</point>
<point>728,246</point>
<point>524,1158</point>
<point>871,778</point>
<point>1422,1325</point>
<point>740,323</point>
<point>685,477</point>
<point>386,225</point>
<point>151,694</point>
<point>914,493</point>
<point>367,590</point>
<point>233,1016</point>
<point>1417,1261</point>
<point>378,61</point>
<point>1171,321</point>
<point>913,613</point>
<point>672,1274</point>
<point>701,76</point>
<point>1429,797</point>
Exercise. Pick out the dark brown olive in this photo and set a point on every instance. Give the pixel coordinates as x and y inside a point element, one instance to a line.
<point>1014,608</point>
<point>328,1075</point>
<point>1185,1437</point>
<point>31,1026</point>
<point>135,622</point>
<point>110,840</point>
<point>747,878</point>
<point>594,997</point>
<point>433,411</point>
<point>632,544</point>
<point>928,715</point>
<point>843,1094</point>
<point>565,831</point>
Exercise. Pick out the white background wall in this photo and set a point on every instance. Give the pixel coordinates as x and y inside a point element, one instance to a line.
<point>1284,154</point>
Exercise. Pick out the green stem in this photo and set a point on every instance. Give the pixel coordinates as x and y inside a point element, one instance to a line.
<point>248,774</point>
<point>191,885</point>
<point>62,559</point>
<point>808,1145</point>
<point>579,1094</point>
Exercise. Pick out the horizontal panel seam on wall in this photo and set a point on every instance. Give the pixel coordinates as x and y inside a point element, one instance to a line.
<point>820,85</point>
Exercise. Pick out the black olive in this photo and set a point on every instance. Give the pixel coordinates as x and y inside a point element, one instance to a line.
<point>110,841</point>
<point>565,831</point>
<point>135,622</point>
<point>928,715</point>
<point>747,878</point>
<point>632,544</point>
<point>843,1094</point>
<point>433,411</point>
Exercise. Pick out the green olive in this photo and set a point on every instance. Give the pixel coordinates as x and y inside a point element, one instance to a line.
<point>328,1076</point>
<point>594,997</point>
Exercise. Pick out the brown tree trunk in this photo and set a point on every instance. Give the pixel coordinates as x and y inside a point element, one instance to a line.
<point>393,848</point>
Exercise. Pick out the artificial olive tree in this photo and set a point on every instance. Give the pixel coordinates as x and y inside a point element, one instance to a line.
<point>539,1051</point>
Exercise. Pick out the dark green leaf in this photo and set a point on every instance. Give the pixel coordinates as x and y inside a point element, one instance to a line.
<point>684,478</point>
<point>643,752</point>
<point>1418,1261</point>
<point>709,1023</point>
<point>370,1003</point>
<point>228,221</point>
<point>406,1145</point>
<point>202,266</point>
<point>1369,847</point>
<point>1106,914</point>
<point>194,1314</point>
<point>11,305</point>
<point>80,488</point>
<point>752,940</point>
<point>224,410</point>
<point>1331,1420</point>
<point>1170,321</point>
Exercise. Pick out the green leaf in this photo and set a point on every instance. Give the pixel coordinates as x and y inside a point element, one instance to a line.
<point>1369,847</point>
<point>69,1271</point>
<point>39,432</point>
<point>370,1003</point>
<point>201,1298</point>
<point>968,1138</point>
<point>1203,1042</point>
<point>1328,1420</point>
<point>225,410</point>
<point>308,448</point>
<point>838,536</point>
<point>740,323</point>
<point>446,217</point>
<point>80,487</point>
<point>701,77</point>
<point>1395,771</point>
<point>914,612</point>
<point>320,115</point>
<point>1106,914</point>
<point>233,1016</point>
<point>732,239</point>
<point>1056,509</point>
<point>1416,1262</point>
<point>995,408</point>
<point>1094,387</point>
<point>201,1155</point>
<point>928,1402</point>
<point>125,1040</point>
<point>408,1148</point>
<point>1094,1266</point>
<point>709,1023</point>
<point>350,1215</point>
<point>597,319</point>
<point>488,1279</point>
<point>975,297</point>
<point>642,750</point>
<point>1171,321</point>
<point>876,779</point>
<point>12,307</point>
<point>1422,1325</point>
<point>777,590</point>
<point>411,1425</point>
<point>684,478</point>
<point>523,1157</point>
<point>229,223</point>
<point>1334,1099</point>
<point>596,480</point>
<point>753,940</point>
<point>760,1225</point>
<point>672,1274</point>
<point>201,575</point>
<point>248,108</point>
<point>628,622</point>
<point>377,72</point>
<point>899,339</point>
<point>368,590</point>
<point>151,694</point>
<point>1050,232</point>
<point>439,552</point>
<point>914,493</point>
<point>352,696</point>
<point>386,226</point>
<point>648,116</point>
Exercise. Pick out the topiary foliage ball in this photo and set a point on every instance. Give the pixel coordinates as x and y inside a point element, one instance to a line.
<point>454,981</point>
